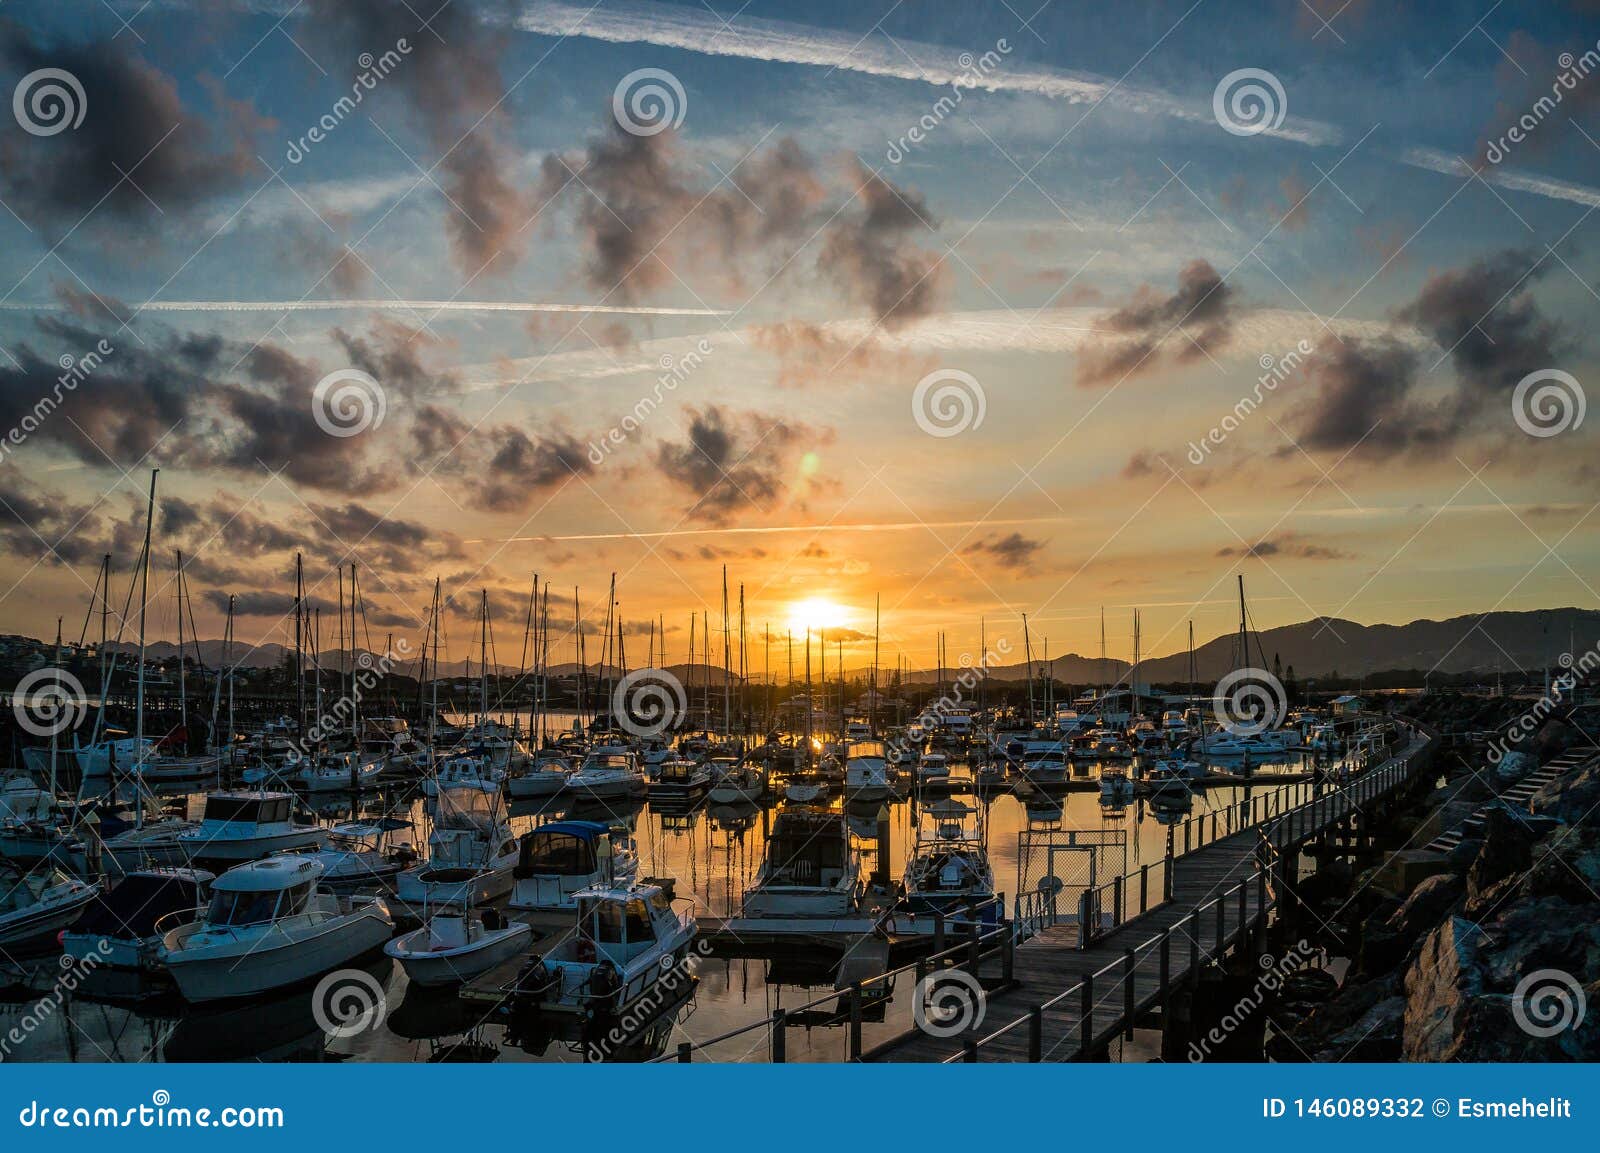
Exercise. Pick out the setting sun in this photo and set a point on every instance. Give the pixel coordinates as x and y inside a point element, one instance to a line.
<point>816,614</point>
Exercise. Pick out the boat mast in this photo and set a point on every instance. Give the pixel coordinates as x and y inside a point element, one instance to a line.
<point>872,698</point>
<point>299,645</point>
<point>483,656</point>
<point>1027,656</point>
<point>144,595</point>
<point>727,661</point>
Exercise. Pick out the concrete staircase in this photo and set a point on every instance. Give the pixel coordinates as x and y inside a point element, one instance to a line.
<point>1517,796</point>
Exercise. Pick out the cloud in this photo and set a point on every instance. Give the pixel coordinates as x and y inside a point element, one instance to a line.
<point>138,142</point>
<point>508,468</point>
<point>1288,545</point>
<point>450,77</point>
<point>870,256</point>
<point>1012,551</point>
<point>1363,396</point>
<point>731,461</point>
<point>1201,310</point>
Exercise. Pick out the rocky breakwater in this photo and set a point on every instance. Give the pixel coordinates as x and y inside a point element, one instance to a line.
<point>1489,953</point>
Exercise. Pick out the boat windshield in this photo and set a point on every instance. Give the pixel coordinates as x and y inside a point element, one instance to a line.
<point>558,854</point>
<point>617,923</point>
<point>257,908</point>
<point>608,761</point>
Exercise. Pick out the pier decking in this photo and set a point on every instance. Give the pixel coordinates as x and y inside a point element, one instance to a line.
<point>1065,1002</point>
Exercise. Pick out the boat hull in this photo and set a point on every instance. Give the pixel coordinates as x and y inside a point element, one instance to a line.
<point>218,975</point>
<point>444,967</point>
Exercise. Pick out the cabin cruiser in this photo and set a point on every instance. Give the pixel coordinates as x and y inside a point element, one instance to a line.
<point>608,773</point>
<point>811,869</point>
<point>933,770</point>
<point>270,925</point>
<point>1174,778</point>
<point>949,870</point>
<point>118,927</point>
<point>545,776</point>
<point>628,938</point>
<point>37,904</point>
<point>241,826</point>
<point>471,853</point>
<point>1254,745</point>
<point>867,774</point>
<point>556,861</point>
<point>358,855</point>
<point>855,731</point>
<point>1043,762</point>
<point>679,780</point>
<point>454,946</point>
<point>1116,784</point>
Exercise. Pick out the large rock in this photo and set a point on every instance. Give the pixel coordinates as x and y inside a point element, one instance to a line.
<point>1502,862</point>
<point>1572,798</point>
<point>1363,1023</point>
<point>1441,986</point>
<point>1428,905</point>
<point>1514,766</point>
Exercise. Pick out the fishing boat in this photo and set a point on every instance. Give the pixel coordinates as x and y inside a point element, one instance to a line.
<point>471,853</point>
<point>678,780</point>
<point>1173,779</point>
<point>949,870</point>
<point>1115,783</point>
<point>270,925</point>
<point>244,825</point>
<point>454,946</point>
<point>805,789</point>
<point>559,860</point>
<point>608,773</point>
<point>37,904</point>
<point>629,937</point>
<point>1043,762</point>
<point>468,771</point>
<point>118,927</point>
<point>811,868</point>
<point>933,771</point>
<point>867,773</point>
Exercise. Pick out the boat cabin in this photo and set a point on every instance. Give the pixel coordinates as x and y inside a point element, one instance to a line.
<point>248,808</point>
<point>262,891</point>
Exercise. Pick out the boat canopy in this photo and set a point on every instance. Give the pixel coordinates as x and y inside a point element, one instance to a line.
<point>562,849</point>
<point>132,908</point>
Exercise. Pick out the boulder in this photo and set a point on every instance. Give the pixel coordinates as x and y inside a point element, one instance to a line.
<point>1502,862</point>
<point>1572,798</point>
<point>1441,986</point>
<point>1514,766</point>
<point>1428,905</point>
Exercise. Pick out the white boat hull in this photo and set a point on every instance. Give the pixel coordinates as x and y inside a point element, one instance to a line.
<point>215,974</point>
<point>441,967</point>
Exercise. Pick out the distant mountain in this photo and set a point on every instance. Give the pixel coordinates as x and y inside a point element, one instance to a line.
<point>1502,641</point>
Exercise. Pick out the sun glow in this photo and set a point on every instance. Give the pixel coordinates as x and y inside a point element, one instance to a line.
<point>817,614</point>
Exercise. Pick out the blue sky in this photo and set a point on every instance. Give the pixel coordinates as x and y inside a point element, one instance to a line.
<point>1078,235</point>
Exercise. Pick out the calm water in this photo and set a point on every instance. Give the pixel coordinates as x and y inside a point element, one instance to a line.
<point>712,852</point>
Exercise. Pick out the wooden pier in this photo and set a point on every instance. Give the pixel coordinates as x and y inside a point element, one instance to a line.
<point>1068,999</point>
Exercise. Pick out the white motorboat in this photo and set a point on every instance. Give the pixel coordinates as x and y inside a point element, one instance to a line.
<point>23,802</point>
<point>608,773</point>
<point>340,772</point>
<point>545,776</point>
<point>805,790</point>
<point>747,782</point>
<point>37,904</point>
<point>471,853</point>
<point>933,770</point>
<point>118,928</point>
<point>269,925</point>
<point>465,771</point>
<point>244,825</point>
<point>359,855</point>
<point>679,781</point>
<point>1253,745</point>
<point>949,870</point>
<point>96,760</point>
<point>1043,762</point>
<point>627,939</point>
<point>455,946</point>
<point>1115,783</point>
<point>557,861</point>
<point>868,775</point>
<point>811,868</point>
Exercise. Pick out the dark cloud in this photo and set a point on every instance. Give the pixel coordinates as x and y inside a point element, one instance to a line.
<point>1363,396</point>
<point>138,142</point>
<point>1199,316</point>
<point>1287,545</point>
<point>731,461</point>
<point>521,468</point>
<point>450,79</point>
<point>1012,551</point>
<point>871,256</point>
